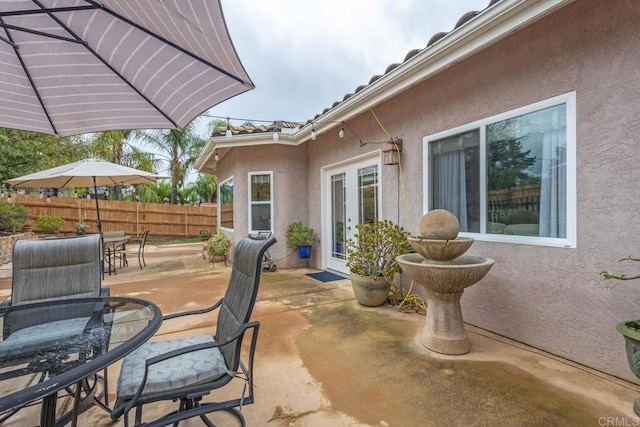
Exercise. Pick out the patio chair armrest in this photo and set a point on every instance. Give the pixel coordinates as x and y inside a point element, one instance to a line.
<point>6,303</point>
<point>192,312</point>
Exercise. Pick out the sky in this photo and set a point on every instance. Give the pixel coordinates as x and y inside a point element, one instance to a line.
<point>303,55</point>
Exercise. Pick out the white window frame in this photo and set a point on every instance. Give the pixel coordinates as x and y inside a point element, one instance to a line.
<point>250,203</point>
<point>220,184</point>
<point>569,99</point>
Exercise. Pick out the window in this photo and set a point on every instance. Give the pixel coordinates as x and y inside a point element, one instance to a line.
<point>225,204</point>
<point>260,201</point>
<point>525,192</point>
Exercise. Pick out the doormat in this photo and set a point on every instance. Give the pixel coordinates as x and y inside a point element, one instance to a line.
<point>325,276</point>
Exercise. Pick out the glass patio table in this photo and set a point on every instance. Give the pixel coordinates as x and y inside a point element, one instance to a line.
<point>51,346</point>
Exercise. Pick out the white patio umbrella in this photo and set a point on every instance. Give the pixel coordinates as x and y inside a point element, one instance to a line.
<point>85,173</point>
<point>70,67</point>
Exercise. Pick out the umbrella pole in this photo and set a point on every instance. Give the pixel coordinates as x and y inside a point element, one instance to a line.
<point>95,190</point>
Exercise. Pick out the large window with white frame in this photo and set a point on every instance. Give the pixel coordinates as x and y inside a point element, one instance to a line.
<point>260,201</point>
<point>510,177</point>
<point>225,204</point>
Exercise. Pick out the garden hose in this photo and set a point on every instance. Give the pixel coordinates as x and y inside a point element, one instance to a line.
<point>410,302</point>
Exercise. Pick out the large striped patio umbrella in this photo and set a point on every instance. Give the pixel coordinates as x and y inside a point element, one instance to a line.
<point>70,67</point>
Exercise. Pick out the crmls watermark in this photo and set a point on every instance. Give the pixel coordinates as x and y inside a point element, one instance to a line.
<point>618,422</point>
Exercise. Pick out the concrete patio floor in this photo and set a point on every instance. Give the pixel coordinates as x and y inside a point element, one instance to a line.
<point>324,360</point>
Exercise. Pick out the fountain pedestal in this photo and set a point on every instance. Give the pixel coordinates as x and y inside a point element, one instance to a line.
<point>444,328</point>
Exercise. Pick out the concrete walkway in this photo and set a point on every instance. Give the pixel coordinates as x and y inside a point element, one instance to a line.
<point>324,360</point>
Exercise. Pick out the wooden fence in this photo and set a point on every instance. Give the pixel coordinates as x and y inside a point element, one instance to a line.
<point>513,201</point>
<point>132,217</point>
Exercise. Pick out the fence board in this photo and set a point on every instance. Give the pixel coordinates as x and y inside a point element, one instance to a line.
<point>132,217</point>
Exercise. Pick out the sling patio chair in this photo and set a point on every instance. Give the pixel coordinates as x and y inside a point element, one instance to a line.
<point>141,242</point>
<point>188,369</point>
<point>53,269</point>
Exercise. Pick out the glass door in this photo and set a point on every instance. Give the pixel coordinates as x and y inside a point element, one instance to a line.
<point>352,197</point>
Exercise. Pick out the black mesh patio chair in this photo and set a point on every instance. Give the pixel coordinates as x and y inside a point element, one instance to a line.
<point>188,369</point>
<point>141,242</point>
<point>45,270</point>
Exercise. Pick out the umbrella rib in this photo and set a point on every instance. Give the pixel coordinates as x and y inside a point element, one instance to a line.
<point>47,10</point>
<point>39,33</point>
<point>101,59</point>
<point>16,49</point>
<point>170,43</point>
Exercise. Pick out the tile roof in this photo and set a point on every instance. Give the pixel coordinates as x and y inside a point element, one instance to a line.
<point>240,130</point>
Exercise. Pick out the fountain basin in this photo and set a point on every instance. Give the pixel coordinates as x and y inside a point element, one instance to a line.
<point>440,250</point>
<point>445,276</point>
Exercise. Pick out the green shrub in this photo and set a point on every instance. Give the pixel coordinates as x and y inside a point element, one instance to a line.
<point>49,223</point>
<point>374,248</point>
<point>12,216</point>
<point>218,245</point>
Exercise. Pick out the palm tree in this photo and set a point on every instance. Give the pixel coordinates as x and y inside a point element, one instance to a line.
<point>115,147</point>
<point>179,148</point>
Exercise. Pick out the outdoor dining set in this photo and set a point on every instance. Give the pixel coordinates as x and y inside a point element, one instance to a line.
<point>62,329</point>
<point>77,67</point>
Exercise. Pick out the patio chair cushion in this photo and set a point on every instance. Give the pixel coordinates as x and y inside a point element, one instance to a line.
<point>40,337</point>
<point>188,369</point>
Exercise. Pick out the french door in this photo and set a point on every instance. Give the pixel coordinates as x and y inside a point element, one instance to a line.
<point>352,197</point>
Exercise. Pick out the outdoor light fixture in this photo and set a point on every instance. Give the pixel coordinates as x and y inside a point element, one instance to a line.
<point>391,152</point>
<point>228,134</point>
<point>341,133</point>
<point>313,132</point>
<point>215,156</point>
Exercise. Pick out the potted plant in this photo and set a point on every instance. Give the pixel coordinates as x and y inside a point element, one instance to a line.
<point>218,245</point>
<point>630,330</point>
<point>371,259</point>
<point>81,227</point>
<point>339,236</point>
<point>301,237</point>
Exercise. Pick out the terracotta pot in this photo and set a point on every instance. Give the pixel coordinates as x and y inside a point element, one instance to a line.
<point>370,291</point>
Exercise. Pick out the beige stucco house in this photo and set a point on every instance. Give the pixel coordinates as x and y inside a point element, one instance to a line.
<point>524,120</point>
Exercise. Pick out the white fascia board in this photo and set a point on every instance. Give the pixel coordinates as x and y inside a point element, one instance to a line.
<point>263,138</point>
<point>490,26</point>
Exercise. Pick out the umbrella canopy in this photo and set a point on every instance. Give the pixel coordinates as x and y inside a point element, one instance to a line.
<point>85,173</point>
<point>77,66</point>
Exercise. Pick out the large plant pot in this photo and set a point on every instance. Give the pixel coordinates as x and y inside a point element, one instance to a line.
<point>370,291</point>
<point>631,336</point>
<point>304,251</point>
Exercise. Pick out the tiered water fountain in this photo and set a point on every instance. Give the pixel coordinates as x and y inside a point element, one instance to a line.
<point>444,271</point>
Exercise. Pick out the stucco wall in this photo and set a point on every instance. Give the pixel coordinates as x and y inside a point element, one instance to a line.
<point>551,298</point>
<point>290,201</point>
